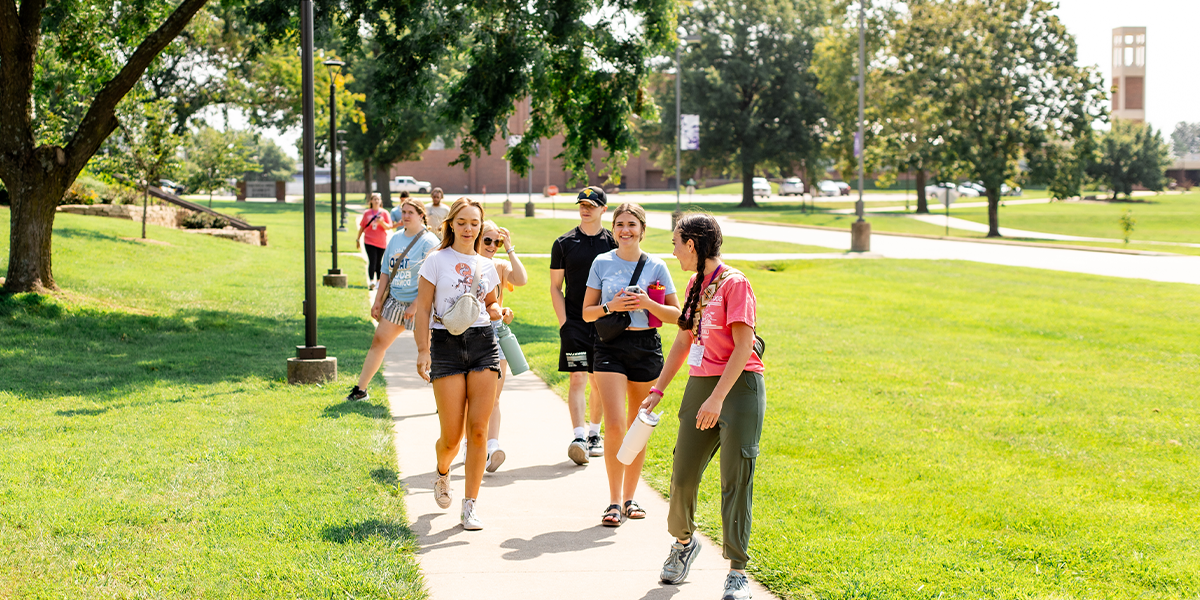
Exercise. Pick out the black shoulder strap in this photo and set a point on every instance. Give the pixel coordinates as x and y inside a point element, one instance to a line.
<point>637,272</point>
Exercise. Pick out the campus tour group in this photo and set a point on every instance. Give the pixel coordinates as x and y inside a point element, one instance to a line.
<point>443,280</point>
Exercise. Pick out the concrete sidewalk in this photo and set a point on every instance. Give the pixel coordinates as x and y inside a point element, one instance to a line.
<point>542,536</point>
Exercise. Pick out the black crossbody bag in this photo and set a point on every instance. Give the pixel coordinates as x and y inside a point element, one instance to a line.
<point>613,325</point>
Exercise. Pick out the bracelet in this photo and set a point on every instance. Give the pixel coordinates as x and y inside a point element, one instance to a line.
<point>655,390</point>
<point>511,250</point>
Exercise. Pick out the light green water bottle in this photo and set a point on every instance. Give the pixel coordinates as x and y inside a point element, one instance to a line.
<point>512,349</point>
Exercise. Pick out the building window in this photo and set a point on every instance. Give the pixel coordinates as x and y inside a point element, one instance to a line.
<point>1116,57</point>
<point>1141,40</point>
<point>1141,56</point>
<point>1129,56</point>
<point>1134,93</point>
<point>1129,40</point>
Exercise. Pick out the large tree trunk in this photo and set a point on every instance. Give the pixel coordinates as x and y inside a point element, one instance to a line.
<point>993,212</point>
<point>748,187</point>
<point>35,195</point>
<point>382,180</point>
<point>922,201</point>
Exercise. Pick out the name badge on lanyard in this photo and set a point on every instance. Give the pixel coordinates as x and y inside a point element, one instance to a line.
<point>696,354</point>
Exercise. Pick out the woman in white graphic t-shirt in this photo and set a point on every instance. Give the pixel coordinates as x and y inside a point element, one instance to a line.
<point>464,368</point>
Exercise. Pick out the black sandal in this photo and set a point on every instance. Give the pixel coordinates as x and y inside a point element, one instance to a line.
<point>633,511</point>
<point>612,516</point>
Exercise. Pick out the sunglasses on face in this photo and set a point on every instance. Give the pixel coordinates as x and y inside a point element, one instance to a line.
<point>487,241</point>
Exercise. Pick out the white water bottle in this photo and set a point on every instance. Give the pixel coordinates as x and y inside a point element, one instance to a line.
<point>637,436</point>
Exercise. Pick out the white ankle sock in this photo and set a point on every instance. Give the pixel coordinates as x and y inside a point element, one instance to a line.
<point>593,428</point>
<point>580,433</point>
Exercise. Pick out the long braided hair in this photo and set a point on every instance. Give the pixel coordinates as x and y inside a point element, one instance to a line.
<point>705,233</point>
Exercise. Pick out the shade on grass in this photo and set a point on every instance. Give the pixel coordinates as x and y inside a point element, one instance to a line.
<point>939,429</point>
<point>152,447</point>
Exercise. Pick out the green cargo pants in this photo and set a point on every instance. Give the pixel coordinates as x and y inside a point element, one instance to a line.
<point>737,433</point>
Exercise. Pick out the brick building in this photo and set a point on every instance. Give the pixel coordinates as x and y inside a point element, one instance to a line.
<point>488,172</point>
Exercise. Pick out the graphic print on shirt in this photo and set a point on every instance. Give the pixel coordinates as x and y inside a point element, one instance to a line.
<point>463,286</point>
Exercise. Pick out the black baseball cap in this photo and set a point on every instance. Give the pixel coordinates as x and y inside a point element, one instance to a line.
<point>592,194</point>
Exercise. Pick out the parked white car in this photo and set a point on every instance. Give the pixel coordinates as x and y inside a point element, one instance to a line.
<point>971,190</point>
<point>761,186</point>
<point>937,192</point>
<point>829,188</point>
<point>792,186</point>
<point>404,183</point>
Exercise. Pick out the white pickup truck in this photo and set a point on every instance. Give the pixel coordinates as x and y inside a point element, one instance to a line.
<point>404,183</point>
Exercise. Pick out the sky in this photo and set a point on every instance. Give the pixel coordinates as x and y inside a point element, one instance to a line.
<point>1172,56</point>
<point>1172,51</point>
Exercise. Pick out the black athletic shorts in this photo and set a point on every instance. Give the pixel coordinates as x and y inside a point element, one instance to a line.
<point>475,350</point>
<point>636,354</point>
<point>576,340</point>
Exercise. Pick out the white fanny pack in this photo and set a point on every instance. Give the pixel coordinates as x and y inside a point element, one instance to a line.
<point>465,310</point>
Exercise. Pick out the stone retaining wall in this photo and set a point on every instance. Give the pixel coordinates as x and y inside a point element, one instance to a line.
<point>245,236</point>
<point>163,216</point>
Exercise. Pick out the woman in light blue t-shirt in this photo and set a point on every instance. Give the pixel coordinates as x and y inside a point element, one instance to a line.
<point>394,299</point>
<point>627,367</point>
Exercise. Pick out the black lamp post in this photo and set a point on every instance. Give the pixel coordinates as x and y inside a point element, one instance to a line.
<point>860,230</point>
<point>311,365</point>
<point>342,150</point>
<point>334,278</point>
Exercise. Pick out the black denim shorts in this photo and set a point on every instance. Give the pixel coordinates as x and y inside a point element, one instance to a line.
<point>475,350</point>
<point>636,354</point>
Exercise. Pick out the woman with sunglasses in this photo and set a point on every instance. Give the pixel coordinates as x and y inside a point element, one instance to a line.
<point>394,302</point>
<point>512,274</point>
<point>627,367</point>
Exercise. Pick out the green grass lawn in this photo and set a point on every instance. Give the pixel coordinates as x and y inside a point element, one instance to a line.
<point>152,447</point>
<point>954,430</point>
<point>1165,218</point>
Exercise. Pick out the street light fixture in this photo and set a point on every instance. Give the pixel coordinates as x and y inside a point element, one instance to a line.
<point>334,278</point>
<point>311,365</point>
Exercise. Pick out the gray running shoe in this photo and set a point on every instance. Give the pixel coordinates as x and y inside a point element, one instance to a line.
<point>737,587</point>
<point>578,451</point>
<point>679,561</point>
<point>494,460</point>
<point>441,490</point>
<point>595,446</point>
<point>470,520</point>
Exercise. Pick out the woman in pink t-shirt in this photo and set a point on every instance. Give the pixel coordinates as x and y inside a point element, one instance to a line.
<point>723,402</point>
<point>373,228</point>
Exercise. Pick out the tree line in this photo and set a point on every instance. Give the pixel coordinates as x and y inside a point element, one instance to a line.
<point>986,90</point>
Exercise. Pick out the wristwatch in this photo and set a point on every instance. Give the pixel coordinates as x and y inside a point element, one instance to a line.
<point>605,307</point>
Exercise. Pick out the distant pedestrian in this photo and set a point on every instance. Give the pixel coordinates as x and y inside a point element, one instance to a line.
<point>394,306</point>
<point>571,259</point>
<point>722,406</point>
<point>627,367</point>
<point>372,230</point>
<point>437,211</point>
<point>463,368</point>
<point>512,274</point>
<point>396,211</point>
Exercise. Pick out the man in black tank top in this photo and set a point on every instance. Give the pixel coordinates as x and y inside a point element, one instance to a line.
<point>571,259</point>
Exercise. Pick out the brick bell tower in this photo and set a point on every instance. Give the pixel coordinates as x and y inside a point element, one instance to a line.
<point>1129,73</point>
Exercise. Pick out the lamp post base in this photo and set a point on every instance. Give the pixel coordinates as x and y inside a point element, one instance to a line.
<point>311,370</point>
<point>508,207</point>
<point>334,279</point>
<point>860,236</point>
<point>675,219</point>
<point>529,210</point>
<point>342,229</point>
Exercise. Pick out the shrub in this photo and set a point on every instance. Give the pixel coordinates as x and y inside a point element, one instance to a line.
<point>199,220</point>
<point>79,194</point>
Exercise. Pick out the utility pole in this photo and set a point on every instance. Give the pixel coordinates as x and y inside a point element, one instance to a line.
<point>334,278</point>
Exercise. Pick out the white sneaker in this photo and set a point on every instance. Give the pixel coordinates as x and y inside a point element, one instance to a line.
<point>470,520</point>
<point>371,286</point>
<point>441,490</point>
<point>495,459</point>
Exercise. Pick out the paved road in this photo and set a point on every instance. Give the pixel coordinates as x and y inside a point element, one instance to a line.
<point>542,537</point>
<point>1180,269</point>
